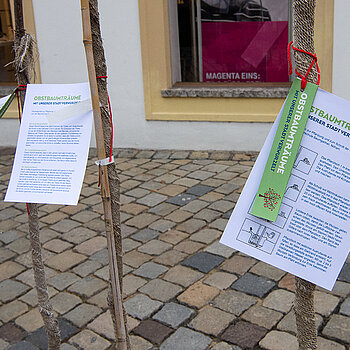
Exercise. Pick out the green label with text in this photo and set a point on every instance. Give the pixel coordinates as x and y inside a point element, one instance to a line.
<point>284,150</point>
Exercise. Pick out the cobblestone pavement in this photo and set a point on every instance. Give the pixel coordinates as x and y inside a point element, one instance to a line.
<point>183,290</point>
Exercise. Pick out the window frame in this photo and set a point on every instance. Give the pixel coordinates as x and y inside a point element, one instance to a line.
<point>200,106</point>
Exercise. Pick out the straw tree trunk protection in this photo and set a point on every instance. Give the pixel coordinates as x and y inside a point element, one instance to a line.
<point>109,179</point>
<point>24,66</point>
<point>303,37</point>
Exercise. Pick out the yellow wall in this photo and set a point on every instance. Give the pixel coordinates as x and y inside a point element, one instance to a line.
<point>155,46</point>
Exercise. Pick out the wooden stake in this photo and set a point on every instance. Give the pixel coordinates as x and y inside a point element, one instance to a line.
<point>105,190</point>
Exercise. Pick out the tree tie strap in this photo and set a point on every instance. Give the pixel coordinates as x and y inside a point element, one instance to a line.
<point>303,77</point>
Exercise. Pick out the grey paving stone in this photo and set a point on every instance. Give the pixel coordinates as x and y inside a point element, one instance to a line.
<point>154,247</point>
<point>163,209</point>
<point>206,235</point>
<point>186,339</point>
<point>200,175</point>
<point>173,314</point>
<point>78,235</point>
<point>203,261</point>
<point>325,303</point>
<point>279,300</point>
<point>220,249</point>
<point>161,155</point>
<point>161,290</point>
<point>141,306</point>
<point>87,267</point>
<point>179,155</point>
<point>191,225</point>
<point>345,273</point>
<point>101,256</point>
<point>145,235</point>
<point>195,206</point>
<point>276,340</point>
<point>338,327</point>
<point>82,314</point>
<point>10,236</point>
<point>227,188</point>
<point>129,244</point>
<point>345,307</point>
<point>207,214</point>
<point>62,280</point>
<point>137,192</point>
<point>254,285</point>
<point>63,302</point>
<point>181,199</point>
<point>199,190</point>
<point>65,225</point>
<point>127,230</point>
<point>221,280</point>
<point>23,345</point>
<point>6,254</point>
<point>20,246</point>
<point>87,286</point>
<point>162,225</point>
<point>219,224</point>
<point>234,302</point>
<point>152,199</point>
<point>10,290</point>
<point>150,270</point>
<point>222,205</point>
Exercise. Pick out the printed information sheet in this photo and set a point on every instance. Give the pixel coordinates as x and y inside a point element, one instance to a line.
<point>310,238</point>
<point>53,144</point>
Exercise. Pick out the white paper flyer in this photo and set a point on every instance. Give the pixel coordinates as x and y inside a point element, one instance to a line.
<point>310,238</point>
<point>53,145</point>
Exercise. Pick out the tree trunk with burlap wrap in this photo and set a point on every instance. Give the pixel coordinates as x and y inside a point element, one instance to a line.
<point>303,37</point>
<point>24,65</point>
<point>114,182</point>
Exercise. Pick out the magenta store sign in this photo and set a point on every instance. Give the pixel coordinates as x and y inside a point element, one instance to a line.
<point>245,51</point>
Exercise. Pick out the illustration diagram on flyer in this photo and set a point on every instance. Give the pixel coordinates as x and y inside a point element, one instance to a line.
<point>304,160</point>
<point>294,187</point>
<point>258,236</point>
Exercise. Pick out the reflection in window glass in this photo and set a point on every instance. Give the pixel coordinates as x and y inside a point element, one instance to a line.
<point>7,74</point>
<point>233,40</point>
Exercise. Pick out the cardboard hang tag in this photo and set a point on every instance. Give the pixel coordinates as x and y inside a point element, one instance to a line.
<point>284,150</point>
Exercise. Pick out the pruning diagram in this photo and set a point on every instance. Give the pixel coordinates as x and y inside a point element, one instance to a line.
<point>304,160</point>
<point>294,187</point>
<point>258,236</point>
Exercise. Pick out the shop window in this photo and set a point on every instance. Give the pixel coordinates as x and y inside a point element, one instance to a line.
<point>230,41</point>
<point>7,74</point>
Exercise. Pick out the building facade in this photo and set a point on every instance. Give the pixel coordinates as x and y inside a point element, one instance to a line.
<point>174,80</point>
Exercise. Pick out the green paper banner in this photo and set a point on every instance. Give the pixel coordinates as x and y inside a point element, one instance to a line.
<point>7,104</point>
<point>284,150</point>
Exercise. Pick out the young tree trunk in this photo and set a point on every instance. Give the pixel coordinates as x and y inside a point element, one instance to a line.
<point>24,65</point>
<point>303,37</point>
<point>99,68</point>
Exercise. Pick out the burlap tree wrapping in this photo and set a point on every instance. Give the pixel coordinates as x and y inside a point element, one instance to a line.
<point>24,66</point>
<point>303,37</point>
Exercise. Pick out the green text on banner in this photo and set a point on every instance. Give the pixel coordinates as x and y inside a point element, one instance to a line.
<point>284,150</point>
